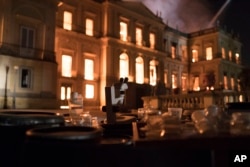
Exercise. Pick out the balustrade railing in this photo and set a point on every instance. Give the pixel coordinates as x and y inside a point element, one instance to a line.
<point>196,100</point>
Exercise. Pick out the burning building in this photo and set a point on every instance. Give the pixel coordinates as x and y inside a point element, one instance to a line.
<point>82,47</point>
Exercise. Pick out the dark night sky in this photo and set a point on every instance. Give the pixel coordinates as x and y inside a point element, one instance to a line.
<point>236,17</point>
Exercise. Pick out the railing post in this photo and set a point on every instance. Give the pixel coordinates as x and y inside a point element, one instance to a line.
<point>208,99</point>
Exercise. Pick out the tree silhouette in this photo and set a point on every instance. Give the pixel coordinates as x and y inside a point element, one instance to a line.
<point>244,82</point>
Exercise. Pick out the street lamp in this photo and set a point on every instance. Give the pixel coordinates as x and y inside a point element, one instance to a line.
<point>14,90</point>
<point>5,106</point>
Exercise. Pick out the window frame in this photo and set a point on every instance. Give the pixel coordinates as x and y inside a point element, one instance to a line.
<point>123,65</point>
<point>89,30</point>
<point>67,24</point>
<point>87,76</point>
<point>25,75</point>
<point>139,66</point>
<point>123,30</point>
<point>69,70</point>
<point>139,36</point>
<point>25,40</point>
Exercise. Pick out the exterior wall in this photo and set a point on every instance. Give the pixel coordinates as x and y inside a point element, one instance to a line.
<point>216,38</point>
<point>38,62</point>
<point>177,65</point>
<point>104,48</point>
<point>105,44</point>
<point>80,46</point>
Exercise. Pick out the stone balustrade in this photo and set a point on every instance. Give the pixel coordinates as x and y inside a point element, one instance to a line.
<point>196,100</point>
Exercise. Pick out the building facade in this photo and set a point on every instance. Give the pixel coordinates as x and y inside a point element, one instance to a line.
<point>83,46</point>
<point>27,57</point>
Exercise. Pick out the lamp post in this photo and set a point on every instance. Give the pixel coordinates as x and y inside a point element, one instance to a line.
<point>5,106</point>
<point>14,90</point>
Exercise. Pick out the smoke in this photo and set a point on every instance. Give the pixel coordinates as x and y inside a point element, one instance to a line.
<point>184,15</point>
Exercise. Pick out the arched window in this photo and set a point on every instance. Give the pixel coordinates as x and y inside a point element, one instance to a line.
<point>124,66</point>
<point>152,72</point>
<point>139,70</point>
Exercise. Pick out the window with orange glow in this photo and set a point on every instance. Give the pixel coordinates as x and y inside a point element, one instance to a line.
<point>152,73</point>
<point>174,81</point>
<point>223,53</point>
<point>209,53</point>
<point>194,55</point>
<point>238,85</point>
<point>166,78</point>
<point>66,65</point>
<point>237,57</point>
<point>152,40</point>
<point>124,65</point>
<point>138,36</point>
<point>230,55</point>
<point>173,51</point>
<point>196,85</point>
<point>184,82</point>
<point>89,91</point>
<point>139,70</point>
<point>184,52</point>
<point>65,92</point>
<point>67,20</point>
<point>225,82</point>
<point>232,83</point>
<point>88,69</point>
<point>123,31</point>
<point>89,26</point>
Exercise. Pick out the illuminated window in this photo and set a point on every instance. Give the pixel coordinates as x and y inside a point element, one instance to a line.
<point>209,53</point>
<point>66,66</point>
<point>67,20</point>
<point>138,36</point>
<point>89,91</point>
<point>25,78</point>
<point>152,73</point>
<point>196,85</point>
<point>65,92</point>
<point>223,53</point>
<point>225,82</point>
<point>232,83</point>
<point>184,52</point>
<point>194,55</point>
<point>173,50</point>
<point>184,82</point>
<point>237,57</point>
<point>238,85</point>
<point>123,31</point>
<point>88,69</point>
<point>174,81</point>
<point>241,98</point>
<point>166,78</point>
<point>124,66</point>
<point>230,55</point>
<point>27,37</point>
<point>152,40</point>
<point>139,69</point>
<point>89,27</point>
